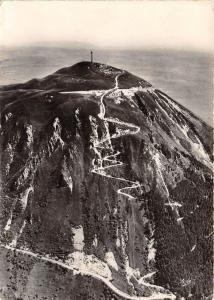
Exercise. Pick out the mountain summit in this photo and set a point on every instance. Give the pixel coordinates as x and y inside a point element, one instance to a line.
<point>106,190</point>
<point>82,76</point>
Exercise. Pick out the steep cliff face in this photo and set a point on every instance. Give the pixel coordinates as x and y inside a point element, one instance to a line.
<point>106,190</point>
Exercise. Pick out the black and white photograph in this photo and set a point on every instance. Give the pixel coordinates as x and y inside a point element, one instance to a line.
<point>106,150</point>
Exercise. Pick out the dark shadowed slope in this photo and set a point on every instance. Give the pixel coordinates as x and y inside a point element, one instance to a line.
<point>106,190</point>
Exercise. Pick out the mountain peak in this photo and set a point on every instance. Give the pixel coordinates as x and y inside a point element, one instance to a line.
<point>84,68</point>
<point>105,177</point>
<point>83,75</point>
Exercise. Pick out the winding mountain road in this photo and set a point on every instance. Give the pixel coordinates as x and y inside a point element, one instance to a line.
<point>131,129</point>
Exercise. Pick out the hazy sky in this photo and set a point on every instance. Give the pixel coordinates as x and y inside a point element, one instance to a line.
<point>170,24</point>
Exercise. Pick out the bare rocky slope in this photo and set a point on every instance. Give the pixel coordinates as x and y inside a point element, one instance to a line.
<point>106,190</point>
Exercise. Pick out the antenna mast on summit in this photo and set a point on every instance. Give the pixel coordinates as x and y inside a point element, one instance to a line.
<point>91,56</point>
